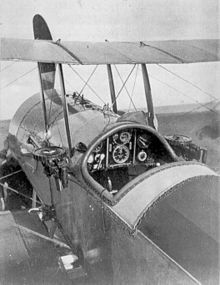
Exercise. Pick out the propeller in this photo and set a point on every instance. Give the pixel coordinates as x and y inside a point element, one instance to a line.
<point>46,70</point>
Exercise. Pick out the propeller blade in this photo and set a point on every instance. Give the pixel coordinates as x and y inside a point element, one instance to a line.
<point>47,70</point>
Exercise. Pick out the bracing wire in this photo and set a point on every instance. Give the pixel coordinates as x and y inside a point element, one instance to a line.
<point>123,84</point>
<point>24,74</point>
<point>87,81</point>
<point>178,91</point>
<point>132,92</point>
<point>60,134</point>
<point>187,81</point>
<point>94,92</point>
<point>11,174</point>
<point>6,67</point>
<point>51,102</point>
<point>21,194</point>
<point>130,97</point>
<point>198,107</point>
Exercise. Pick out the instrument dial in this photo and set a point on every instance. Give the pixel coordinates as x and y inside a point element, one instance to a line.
<point>120,154</point>
<point>142,156</point>
<point>125,137</point>
<point>143,141</point>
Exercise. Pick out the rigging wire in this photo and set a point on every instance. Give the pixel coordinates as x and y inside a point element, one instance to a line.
<point>198,107</point>
<point>94,92</point>
<point>6,67</point>
<point>86,83</point>
<point>123,84</point>
<point>88,79</point>
<point>135,80</point>
<point>178,91</point>
<point>51,102</point>
<point>24,74</point>
<point>187,81</point>
<point>21,194</point>
<point>8,175</point>
<point>60,134</point>
<point>131,101</point>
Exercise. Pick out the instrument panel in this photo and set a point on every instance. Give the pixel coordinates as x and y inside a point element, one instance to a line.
<point>123,148</point>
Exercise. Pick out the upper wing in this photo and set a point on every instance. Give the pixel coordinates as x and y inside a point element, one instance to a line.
<point>87,53</point>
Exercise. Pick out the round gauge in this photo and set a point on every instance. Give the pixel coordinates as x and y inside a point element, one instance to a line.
<point>98,148</point>
<point>143,141</point>
<point>120,154</point>
<point>142,156</point>
<point>125,137</point>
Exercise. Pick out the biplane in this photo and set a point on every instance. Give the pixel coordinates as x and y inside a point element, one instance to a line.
<point>133,205</point>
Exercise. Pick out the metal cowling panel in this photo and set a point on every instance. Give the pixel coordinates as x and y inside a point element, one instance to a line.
<point>85,123</point>
<point>22,112</point>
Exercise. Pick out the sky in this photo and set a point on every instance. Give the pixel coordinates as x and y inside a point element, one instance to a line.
<point>115,20</point>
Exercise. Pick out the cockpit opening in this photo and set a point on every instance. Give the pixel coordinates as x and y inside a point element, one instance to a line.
<point>125,152</point>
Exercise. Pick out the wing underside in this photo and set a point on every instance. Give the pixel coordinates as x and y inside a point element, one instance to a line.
<point>89,53</point>
<point>27,258</point>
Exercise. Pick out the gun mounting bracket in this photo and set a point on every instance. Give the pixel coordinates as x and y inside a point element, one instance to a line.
<point>55,161</point>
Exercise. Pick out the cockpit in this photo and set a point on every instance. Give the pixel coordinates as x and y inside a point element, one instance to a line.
<point>123,153</point>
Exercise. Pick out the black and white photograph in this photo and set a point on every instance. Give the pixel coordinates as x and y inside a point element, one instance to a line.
<point>109,142</point>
